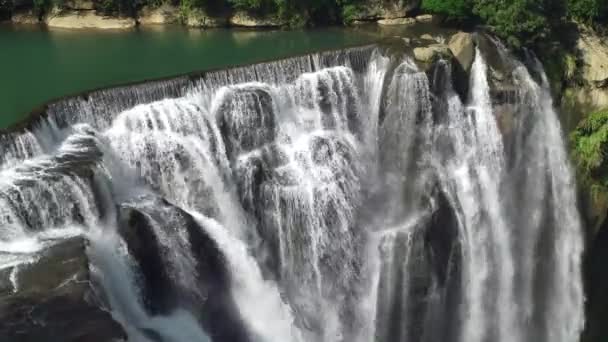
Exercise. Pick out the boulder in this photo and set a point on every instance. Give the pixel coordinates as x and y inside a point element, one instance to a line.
<point>462,47</point>
<point>432,52</point>
<point>165,14</point>
<point>428,37</point>
<point>181,266</point>
<point>397,21</point>
<point>52,298</point>
<point>427,18</point>
<point>200,19</point>
<point>243,19</point>
<point>386,9</point>
<point>87,20</point>
<point>594,55</point>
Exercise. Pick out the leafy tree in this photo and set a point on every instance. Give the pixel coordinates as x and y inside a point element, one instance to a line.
<point>589,11</point>
<point>517,21</point>
<point>453,9</point>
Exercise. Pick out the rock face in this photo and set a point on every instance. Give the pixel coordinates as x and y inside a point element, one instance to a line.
<point>201,284</point>
<point>386,9</point>
<point>87,19</point>
<point>594,55</point>
<point>165,14</point>
<point>52,299</point>
<point>243,19</point>
<point>462,47</point>
<point>25,17</point>
<point>432,52</point>
<point>198,18</point>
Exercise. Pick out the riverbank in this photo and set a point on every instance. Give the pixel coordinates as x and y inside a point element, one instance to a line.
<point>79,14</point>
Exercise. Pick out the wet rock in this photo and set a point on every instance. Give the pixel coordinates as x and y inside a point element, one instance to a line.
<point>180,270</point>
<point>53,299</point>
<point>397,21</point>
<point>463,48</point>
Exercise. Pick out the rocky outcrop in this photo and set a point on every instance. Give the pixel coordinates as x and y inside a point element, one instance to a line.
<point>52,299</point>
<point>86,20</point>
<point>28,17</point>
<point>243,19</point>
<point>594,58</point>
<point>200,19</point>
<point>462,47</point>
<point>157,234</point>
<point>385,9</point>
<point>430,53</point>
<point>398,21</point>
<point>165,14</point>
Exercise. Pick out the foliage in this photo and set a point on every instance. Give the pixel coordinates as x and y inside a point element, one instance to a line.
<point>453,9</point>
<point>6,7</point>
<point>589,11</point>
<point>590,150</point>
<point>517,21</point>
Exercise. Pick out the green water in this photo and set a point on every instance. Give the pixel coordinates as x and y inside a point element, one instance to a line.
<point>38,65</point>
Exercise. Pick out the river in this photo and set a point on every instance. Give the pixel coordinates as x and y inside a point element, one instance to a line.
<point>39,65</point>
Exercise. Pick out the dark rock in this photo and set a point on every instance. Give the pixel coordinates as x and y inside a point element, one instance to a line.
<point>55,300</point>
<point>209,298</point>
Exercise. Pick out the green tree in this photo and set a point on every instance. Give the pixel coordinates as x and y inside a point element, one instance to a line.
<point>453,9</point>
<point>589,11</point>
<point>518,21</point>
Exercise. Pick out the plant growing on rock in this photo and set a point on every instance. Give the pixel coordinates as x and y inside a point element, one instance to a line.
<point>590,151</point>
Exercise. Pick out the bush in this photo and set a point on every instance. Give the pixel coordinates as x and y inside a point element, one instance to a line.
<point>589,11</point>
<point>590,150</point>
<point>453,9</point>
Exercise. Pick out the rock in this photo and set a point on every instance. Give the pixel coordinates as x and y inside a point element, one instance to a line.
<point>397,21</point>
<point>576,102</point>
<point>181,266</point>
<point>428,37</point>
<point>426,18</point>
<point>385,9</point>
<point>430,53</point>
<point>165,14</point>
<point>87,20</point>
<point>198,18</point>
<point>25,17</point>
<point>243,19</point>
<point>52,299</point>
<point>594,55</point>
<point>462,47</point>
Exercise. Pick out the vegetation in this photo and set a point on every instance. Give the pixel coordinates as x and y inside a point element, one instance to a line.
<point>590,151</point>
<point>521,22</point>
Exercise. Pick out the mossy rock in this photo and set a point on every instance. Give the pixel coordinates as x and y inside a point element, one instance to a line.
<point>589,147</point>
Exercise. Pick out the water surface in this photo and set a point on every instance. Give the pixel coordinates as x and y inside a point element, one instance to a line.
<point>38,65</point>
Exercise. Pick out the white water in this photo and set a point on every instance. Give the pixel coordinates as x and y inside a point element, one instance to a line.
<point>318,181</point>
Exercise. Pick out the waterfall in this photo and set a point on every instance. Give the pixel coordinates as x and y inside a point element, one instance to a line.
<point>338,196</point>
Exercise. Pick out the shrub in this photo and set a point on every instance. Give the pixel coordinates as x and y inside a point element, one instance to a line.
<point>453,9</point>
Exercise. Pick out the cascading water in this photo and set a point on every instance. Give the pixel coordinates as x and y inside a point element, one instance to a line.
<point>343,196</point>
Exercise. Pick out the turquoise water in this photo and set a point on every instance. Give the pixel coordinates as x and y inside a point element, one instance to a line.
<point>38,65</point>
